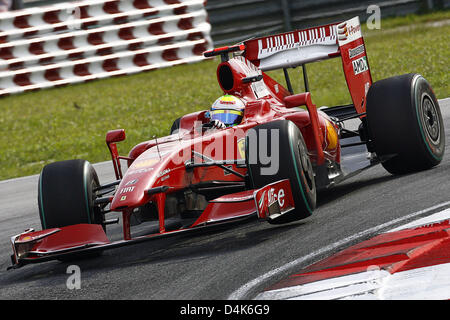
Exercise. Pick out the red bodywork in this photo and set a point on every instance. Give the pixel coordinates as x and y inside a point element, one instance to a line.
<point>160,168</point>
<point>161,162</point>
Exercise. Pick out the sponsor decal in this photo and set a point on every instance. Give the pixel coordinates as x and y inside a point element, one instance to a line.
<point>274,199</point>
<point>146,163</point>
<point>241,147</point>
<point>225,172</point>
<point>162,173</point>
<point>131,182</point>
<point>273,196</point>
<point>138,171</point>
<point>127,189</point>
<point>353,30</point>
<point>261,201</point>
<point>268,46</point>
<point>349,31</point>
<point>355,51</point>
<point>123,198</point>
<point>366,88</point>
<point>259,89</point>
<point>360,65</point>
<point>227,102</point>
<point>332,137</point>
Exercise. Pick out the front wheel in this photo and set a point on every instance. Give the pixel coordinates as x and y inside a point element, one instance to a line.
<point>66,194</point>
<point>289,159</point>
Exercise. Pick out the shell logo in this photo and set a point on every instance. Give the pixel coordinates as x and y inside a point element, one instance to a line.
<point>332,137</point>
<point>145,163</point>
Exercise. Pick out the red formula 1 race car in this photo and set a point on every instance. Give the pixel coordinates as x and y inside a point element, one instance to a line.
<point>269,164</point>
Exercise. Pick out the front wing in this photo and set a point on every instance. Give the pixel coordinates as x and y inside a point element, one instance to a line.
<point>31,246</point>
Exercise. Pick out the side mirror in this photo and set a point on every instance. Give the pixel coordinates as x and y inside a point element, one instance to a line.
<point>112,137</point>
<point>304,99</point>
<point>298,100</point>
<point>115,136</point>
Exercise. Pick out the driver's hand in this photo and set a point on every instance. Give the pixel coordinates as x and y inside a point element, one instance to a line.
<point>217,124</point>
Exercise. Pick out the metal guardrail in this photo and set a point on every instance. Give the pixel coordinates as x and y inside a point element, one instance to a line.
<point>80,41</point>
<point>236,20</point>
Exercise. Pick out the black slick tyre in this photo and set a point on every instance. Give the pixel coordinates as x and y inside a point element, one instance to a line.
<point>66,194</point>
<point>294,164</point>
<point>405,124</point>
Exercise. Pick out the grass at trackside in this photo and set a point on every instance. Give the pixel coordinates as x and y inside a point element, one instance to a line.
<point>71,122</point>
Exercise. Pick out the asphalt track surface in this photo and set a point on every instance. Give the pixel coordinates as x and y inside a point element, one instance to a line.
<point>234,262</point>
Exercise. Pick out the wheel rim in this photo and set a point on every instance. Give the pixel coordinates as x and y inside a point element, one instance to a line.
<point>430,120</point>
<point>306,165</point>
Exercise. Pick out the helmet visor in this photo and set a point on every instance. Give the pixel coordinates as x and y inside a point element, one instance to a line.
<point>228,117</point>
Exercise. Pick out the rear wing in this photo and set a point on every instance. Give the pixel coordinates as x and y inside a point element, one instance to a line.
<point>298,47</point>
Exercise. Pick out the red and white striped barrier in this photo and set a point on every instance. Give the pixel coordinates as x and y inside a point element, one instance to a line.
<point>81,41</point>
<point>409,262</point>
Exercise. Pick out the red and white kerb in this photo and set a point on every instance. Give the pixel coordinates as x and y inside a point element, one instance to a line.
<point>81,41</point>
<point>407,263</point>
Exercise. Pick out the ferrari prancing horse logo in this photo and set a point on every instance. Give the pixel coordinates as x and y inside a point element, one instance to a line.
<point>241,147</point>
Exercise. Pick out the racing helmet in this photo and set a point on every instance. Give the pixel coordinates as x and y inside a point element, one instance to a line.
<point>228,109</point>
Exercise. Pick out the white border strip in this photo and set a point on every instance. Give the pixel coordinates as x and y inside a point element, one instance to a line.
<point>434,218</point>
<point>243,291</point>
<point>374,283</point>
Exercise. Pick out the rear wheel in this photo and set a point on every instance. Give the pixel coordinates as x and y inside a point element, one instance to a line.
<point>293,164</point>
<point>405,123</point>
<point>66,194</point>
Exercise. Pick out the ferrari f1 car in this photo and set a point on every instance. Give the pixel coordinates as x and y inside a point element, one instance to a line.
<point>269,166</point>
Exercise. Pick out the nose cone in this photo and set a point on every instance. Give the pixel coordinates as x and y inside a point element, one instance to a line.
<point>151,169</point>
<point>130,194</point>
<point>140,176</point>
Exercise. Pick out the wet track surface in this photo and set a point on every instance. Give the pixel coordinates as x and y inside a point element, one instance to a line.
<point>216,264</point>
